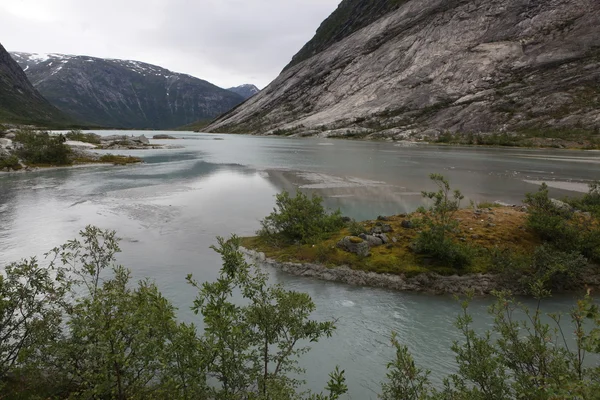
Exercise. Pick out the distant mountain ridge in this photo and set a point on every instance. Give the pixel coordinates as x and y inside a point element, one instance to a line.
<point>124,93</point>
<point>246,91</point>
<point>20,102</point>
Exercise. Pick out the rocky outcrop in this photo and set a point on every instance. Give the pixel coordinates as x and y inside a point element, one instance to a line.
<point>431,66</point>
<point>123,93</point>
<point>20,102</point>
<point>356,245</point>
<point>426,282</point>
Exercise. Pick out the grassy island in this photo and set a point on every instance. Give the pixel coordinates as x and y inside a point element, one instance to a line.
<point>556,242</point>
<point>39,149</point>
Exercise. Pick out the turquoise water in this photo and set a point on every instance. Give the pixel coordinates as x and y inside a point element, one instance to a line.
<point>170,209</point>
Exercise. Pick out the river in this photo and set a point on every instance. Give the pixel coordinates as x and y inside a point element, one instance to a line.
<point>169,210</point>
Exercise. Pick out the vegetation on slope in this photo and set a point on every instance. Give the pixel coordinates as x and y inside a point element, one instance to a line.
<point>20,103</point>
<point>547,240</point>
<point>81,329</point>
<point>349,17</point>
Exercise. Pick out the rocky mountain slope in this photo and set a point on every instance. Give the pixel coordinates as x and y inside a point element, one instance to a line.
<point>246,91</point>
<point>416,68</point>
<point>124,94</point>
<point>20,102</point>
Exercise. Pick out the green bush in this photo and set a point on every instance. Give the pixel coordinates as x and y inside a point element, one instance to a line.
<point>590,202</point>
<point>300,219</point>
<point>356,228</point>
<point>439,222</point>
<point>83,137</point>
<point>10,162</point>
<point>42,148</point>
<point>562,227</point>
<point>522,357</point>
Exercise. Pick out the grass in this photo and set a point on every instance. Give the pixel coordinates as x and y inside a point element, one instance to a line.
<point>503,227</point>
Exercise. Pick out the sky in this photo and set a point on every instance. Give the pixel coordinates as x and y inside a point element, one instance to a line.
<point>226,42</point>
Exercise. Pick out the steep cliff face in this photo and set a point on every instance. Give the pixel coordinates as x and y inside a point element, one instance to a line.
<point>20,102</point>
<point>124,94</point>
<point>429,66</point>
<point>246,91</point>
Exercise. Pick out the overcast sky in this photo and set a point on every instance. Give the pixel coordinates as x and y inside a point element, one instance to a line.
<point>227,42</point>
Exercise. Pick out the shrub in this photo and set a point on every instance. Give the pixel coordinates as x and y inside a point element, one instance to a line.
<point>557,269</point>
<point>522,357</point>
<point>300,219</point>
<point>83,137</point>
<point>356,228</point>
<point>9,162</point>
<point>439,222</point>
<point>562,227</point>
<point>590,202</point>
<point>42,148</point>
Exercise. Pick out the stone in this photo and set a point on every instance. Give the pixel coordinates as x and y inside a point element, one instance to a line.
<point>355,245</point>
<point>143,139</point>
<point>384,238</point>
<point>374,241</point>
<point>561,205</point>
<point>406,224</point>
<point>382,218</point>
<point>395,239</point>
<point>10,136</point>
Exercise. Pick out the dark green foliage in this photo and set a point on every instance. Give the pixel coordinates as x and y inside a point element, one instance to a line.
<point>253,346</point>
<point>436,240</point>
<point>83,137</point>
<point>80,329</point>
<point>561,226</point>
<point>522,357</point>
<point>590,202</point>
<point>9,162</point>
<point>300,219</point>
<point>42,148</point>
<point>356,228</point>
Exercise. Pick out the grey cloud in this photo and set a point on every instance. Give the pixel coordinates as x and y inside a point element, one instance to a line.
<point>227,42</point>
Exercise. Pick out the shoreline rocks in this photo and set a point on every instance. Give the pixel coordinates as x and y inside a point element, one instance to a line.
<point>430,283</point>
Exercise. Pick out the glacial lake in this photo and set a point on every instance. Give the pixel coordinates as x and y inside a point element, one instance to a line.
<point>169,210</point>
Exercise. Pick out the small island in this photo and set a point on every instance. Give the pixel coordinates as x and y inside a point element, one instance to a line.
<point>442,249</point>
<point>28,149</point>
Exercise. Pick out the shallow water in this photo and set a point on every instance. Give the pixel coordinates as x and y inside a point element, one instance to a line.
<point>169,210</point>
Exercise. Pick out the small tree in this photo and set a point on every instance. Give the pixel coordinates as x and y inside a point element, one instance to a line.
<point>300,219</point>
<point>440,222</point>
<point>253,348</point>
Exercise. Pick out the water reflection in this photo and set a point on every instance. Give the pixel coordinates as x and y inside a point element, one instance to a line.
<point>169,210</point>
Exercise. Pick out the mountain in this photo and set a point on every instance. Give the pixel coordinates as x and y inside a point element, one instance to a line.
<point>246,91</point>
<point>122,93</point>
<point>418,68</point>
<point>20,102</point>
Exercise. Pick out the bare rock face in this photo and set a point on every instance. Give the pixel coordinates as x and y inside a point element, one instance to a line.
<point>431,66</point>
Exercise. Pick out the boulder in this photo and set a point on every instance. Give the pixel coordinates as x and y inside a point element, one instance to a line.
<point>374,241</point>
<point>6,143</point>
<point>406,224</point>
<point>10,136</point>
<point>143,139</point>
<point>384,238</point>
<point>561,205</point>
<point>355,245</point>
<point>382,218</point>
